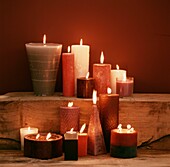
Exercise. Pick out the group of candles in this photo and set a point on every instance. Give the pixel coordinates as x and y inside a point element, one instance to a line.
<point>75,66</point>
<point>75,71</point>
<point>122,142</point>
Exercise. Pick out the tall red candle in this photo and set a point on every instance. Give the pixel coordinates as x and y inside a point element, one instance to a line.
<point>109,114</point>
<point>102,74</point>
<point>68,74</point>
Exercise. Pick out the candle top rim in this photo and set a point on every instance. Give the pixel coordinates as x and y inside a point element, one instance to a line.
<point>72,107</point>
<point>124,131</point>
<point>30,128</point>
<point>118,70</point>
<point>32,44</point>
<point>110,94</point>
<point>102,64</point>
<point>53,137</point>
<point>75,45</point>
<point>84,78</point>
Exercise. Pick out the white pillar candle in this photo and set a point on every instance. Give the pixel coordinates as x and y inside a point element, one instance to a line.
<point>25,131</point>
<point>81,60</point>
<point>119,74</point>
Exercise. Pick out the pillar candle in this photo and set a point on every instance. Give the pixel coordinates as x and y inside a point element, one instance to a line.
<point>96,143</point>
<point>43,145</point>
<point>123,142</point>
<point>125,87</point>
<point>44,59</point>
<point>25,131</point>
<point>85,86</point>
<point>102,74</point>
<point>117,73</point>
<point>81,60</point>
<point>109,114</point>
<point>82,142</point>
<point>69,118</point>
<point>70,145</point>
<point>68,73</point>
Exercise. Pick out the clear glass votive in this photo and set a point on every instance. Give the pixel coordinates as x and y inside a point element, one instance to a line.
<point>125,87</point>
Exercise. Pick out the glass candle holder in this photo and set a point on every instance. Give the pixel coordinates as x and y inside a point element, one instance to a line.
<point>125,87</point>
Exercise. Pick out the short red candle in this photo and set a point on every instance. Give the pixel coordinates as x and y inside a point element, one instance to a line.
<point>82,144</point>
<point>123,143</point>
<point>125,88</point>
<point>68,74</point>
<point>102,76</point>
<point>85,87</point>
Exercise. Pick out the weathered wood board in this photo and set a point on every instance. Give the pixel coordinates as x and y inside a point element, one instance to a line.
<point>149,114</point>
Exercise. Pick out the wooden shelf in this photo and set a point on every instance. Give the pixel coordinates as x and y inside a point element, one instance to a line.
<point>149,114</point>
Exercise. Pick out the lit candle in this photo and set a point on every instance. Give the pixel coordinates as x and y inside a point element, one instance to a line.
<point>43,145</point>
<point>125,87</point>
<point>101,74</point>
<point>123,142</point>
<point>81,60</point>
<point>69,118</point>
<point>71,145</point>
<point>109,114</point>
<point>117,74</point>
<point>25,131</point>
<point>44,61</point>
<point>82,142</point>
<point>96,143</point>
<point>85,86</point>
<point>68,73</point>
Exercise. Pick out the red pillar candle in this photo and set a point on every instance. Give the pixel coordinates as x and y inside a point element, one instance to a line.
<point>68,73</point>
<point>43,145</point>
<point>102,74</point>
<point>82,142</point>
<point>109,114</point>
<point>123,142</point>
<point>69,118</point>
<point>85,86</point>
<point>125,87</point>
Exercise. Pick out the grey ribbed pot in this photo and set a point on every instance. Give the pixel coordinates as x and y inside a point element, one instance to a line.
<point>44,64</point>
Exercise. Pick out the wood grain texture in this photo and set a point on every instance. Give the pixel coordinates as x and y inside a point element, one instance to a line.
<point>149,114</point>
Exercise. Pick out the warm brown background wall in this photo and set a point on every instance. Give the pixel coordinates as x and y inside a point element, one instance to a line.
<point>132,33</point>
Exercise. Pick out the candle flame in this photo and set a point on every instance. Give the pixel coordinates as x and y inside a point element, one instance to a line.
<point>81,41</point>
<point>109,90</point>
<point>102,58</point>
<point>68,49</point>
<point>128,126</point>
<point>37,136</point>
<point>94,96</point>
<point>44,39</point>
<point>48,136</point>
<point>71,130</point>
<point>87,75</point>
<point>70,104</point>
<point>117,66</point>
<point>120,127</point>
<point>82,128</point>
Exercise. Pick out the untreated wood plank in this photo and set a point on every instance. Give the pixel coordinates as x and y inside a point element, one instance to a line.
<point>149,114</point>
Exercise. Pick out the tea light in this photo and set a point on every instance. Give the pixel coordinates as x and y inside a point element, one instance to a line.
<point>68,73</point>
<point>85,86</point>
<point>82,142</point>
<point>102,74</point>
<point>109,114</point>
<point>69,118</point>
<point>125,87</point>
<point>43,145</point>
<point>117,74</point>
<point>81,60</point>
<point>25,131</point>
<point>71,145</point>
<point>123,142</point>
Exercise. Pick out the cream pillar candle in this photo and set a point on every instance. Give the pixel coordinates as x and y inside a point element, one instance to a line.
<point>119,74</point>
<point>81,60</point>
